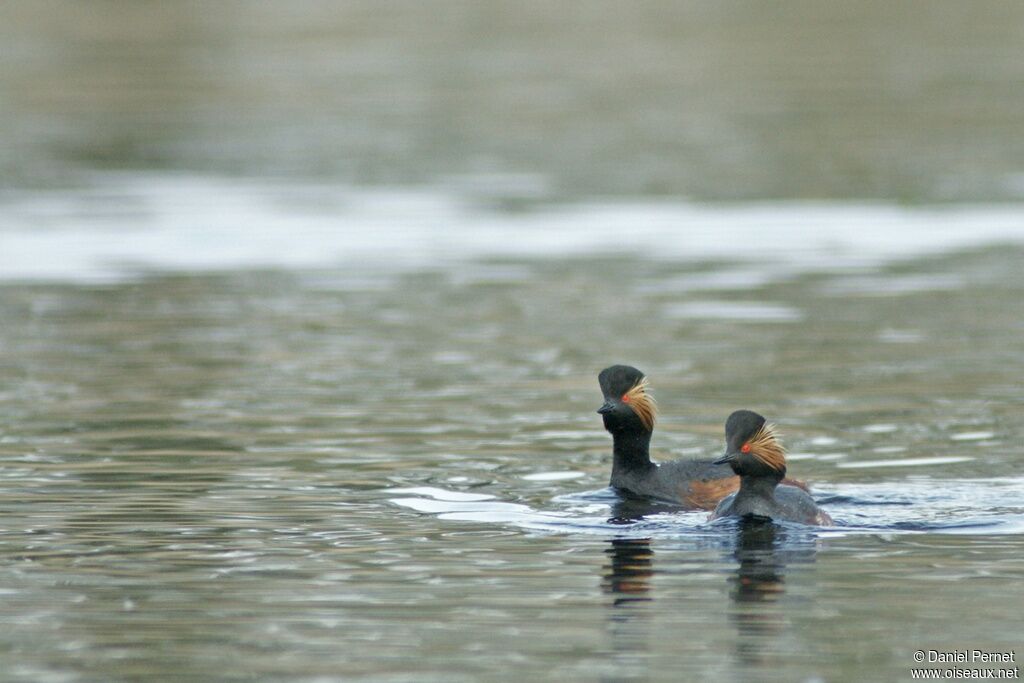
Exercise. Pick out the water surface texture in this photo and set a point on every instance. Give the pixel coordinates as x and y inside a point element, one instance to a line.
<point>316,467</point>
<point>302,307</point>
<point>923,100</point>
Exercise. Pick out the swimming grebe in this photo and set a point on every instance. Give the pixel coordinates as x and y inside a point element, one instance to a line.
<point>755,453</point>
<point>629,412</point>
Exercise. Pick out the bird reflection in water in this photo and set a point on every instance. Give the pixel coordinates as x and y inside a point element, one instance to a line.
<point>763,550</point>
<point>628,576</point>
<point>759,577</point>
<point>627,579</point>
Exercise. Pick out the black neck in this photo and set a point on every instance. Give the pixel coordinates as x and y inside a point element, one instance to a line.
<point>632,451</point>
<point>762,486</point>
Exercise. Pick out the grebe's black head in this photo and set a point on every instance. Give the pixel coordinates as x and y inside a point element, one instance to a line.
<point>627,404</point>
<point>752,447</point>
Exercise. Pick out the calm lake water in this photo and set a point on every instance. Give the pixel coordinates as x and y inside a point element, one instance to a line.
<point>390,468</point>
<point>302,307</point>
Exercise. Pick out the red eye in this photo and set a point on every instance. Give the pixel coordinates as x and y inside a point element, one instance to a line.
<point>625,398</point>
<point>745,448</point>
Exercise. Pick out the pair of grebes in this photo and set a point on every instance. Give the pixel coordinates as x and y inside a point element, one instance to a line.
<point>749,480</point>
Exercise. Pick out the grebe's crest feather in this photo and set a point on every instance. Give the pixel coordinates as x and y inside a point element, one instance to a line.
<point>766,447</point>
<point>642,403</point>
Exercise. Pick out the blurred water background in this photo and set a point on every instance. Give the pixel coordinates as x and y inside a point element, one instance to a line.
<point>302,306</point>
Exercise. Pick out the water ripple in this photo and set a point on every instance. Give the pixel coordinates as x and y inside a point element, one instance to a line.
<point>933,506</point>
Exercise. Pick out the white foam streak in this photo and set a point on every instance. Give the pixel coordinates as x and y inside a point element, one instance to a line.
<point>127,224</point>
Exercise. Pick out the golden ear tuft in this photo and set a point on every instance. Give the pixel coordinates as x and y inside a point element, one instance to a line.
<point>642,403</point>
<point>766,447</point>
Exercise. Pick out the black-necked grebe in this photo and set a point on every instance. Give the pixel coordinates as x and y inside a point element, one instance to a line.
<point>754,452</point>
<point>629,412</point>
